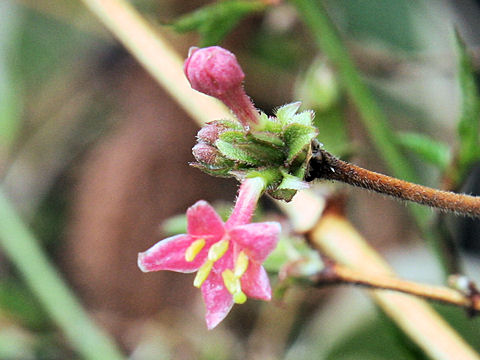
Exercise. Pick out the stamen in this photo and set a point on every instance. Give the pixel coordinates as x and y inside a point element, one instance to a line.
<point>239,297</point>
<point>217,250</point>
<point>202,273</point>
<point>241,264</point>
<point>193,250</point>
<point>231,282</point>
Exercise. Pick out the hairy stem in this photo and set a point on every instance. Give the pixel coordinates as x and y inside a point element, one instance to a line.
<point>324,165</point>
<point>335,237</point>
<point>336,273</point>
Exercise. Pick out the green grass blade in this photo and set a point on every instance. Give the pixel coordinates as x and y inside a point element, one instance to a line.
<point>24,251</point>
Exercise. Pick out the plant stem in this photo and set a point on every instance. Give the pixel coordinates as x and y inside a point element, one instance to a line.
<point>324,165</point>
<point>44,280</point>
<point>336,273</point>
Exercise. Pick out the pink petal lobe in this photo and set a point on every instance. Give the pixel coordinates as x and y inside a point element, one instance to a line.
<point>255,282</point>
<point>203,220</point>
<point>169,254</point>
<point>258,239</point>
<point>218,300</point>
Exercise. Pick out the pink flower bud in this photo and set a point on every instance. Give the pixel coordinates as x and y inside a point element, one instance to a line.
<point>215,71</point>
<point>207,154</point>
<point>211,131</point>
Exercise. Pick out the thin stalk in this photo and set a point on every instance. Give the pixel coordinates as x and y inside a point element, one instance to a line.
<point>340,274</point>
<point>335,237</point>
<point>324,165</point>
<point>23,249</point>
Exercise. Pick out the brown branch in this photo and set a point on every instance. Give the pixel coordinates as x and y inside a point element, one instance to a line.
<point>335,273</point>
<point>324,165</point>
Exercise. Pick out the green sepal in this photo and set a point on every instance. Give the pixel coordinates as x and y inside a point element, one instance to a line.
<point>233,152</point>
<point>291,182</point>
<point>283,194</point>
<point>264,154</point>
<point>268,124</point>
<point>214,171</point>
<point>233,136</point>
<point>268,138</point>
<point>285,113</point>
<point>297,138</point>
<point>304,118</point>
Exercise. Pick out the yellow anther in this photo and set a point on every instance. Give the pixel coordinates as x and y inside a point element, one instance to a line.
<point>241,264</point>
<point>239,297</point>
<point>231,282</point>
<point>217,250</point>
<point>193,250</point>
<point>234,287</point>
<point>202,273</point>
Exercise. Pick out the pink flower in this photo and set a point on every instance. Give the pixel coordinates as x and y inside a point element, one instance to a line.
<point>227,256</point>
<point>215,71</point>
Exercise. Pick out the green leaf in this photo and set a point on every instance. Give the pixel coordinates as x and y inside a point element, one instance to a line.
<point>298,137</point>
<point>214,22</point>
<point>429,150</point>
<point>468,125</point>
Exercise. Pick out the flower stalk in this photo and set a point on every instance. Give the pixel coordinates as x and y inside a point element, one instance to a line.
<point>325,166</point>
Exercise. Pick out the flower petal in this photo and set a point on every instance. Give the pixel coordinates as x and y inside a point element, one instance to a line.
<point>218,300</point>
<point>169,254</point>
<point>255,282</point>
<point>203,220</point>
<point>258,239</point>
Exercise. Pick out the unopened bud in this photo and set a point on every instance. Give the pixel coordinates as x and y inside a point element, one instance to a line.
<point>207,154</point>
<point>211,131</point>
<point>215,71</point>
